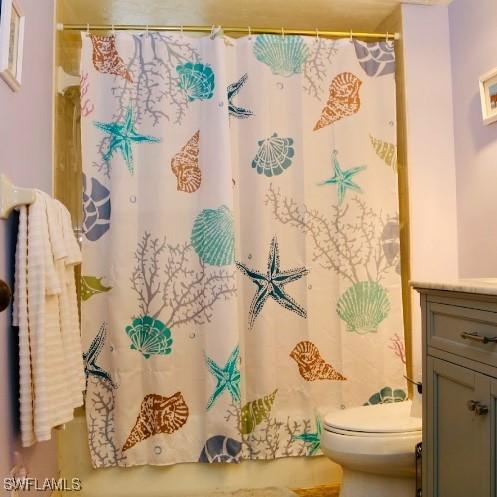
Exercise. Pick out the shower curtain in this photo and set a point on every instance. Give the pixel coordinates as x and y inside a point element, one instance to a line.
<point>241,273</point>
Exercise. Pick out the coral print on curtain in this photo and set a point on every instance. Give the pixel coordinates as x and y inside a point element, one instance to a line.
<point>241,257</point>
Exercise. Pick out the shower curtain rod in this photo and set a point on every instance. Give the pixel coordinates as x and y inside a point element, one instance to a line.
<point>229,29</point>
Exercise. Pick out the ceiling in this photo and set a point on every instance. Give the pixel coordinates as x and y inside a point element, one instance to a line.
<point>358,15</point>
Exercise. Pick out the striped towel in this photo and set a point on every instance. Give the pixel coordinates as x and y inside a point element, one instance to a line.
<point>45,309</point>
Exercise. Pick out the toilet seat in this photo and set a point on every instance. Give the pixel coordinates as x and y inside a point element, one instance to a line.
<point>375,440</point>
<point>381,420</point>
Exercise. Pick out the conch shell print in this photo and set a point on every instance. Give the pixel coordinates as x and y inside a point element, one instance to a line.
<point>185,166</point>
<point>343,101</point>
<point>158,414</point>
<point>386,151</point>
<point>106,59</point>
<point>311,365</point>
<point>254,412</point>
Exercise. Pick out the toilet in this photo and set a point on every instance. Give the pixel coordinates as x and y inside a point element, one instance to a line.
<point>375,445</point>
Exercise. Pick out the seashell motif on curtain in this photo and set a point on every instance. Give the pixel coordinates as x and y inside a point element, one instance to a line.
<point>377,59</point>
<point>387,395</point>
<point>96,209</point>
<point>363,306</point>
<point>149,336</point>
<point>385,151</point>
<point>196,80</point>
<point>185,167</point>
<point>311,365</point>
<point>275,154</point>
<point>213,236</point>
<point>221,448</point>
<point>390,242</point>
<point>284,55</point>
<point>254,412</point>
<point>158,414</point>
<point>106,58</point>
<point>343,101</point>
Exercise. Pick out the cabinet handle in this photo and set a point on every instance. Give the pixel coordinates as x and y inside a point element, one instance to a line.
<point>478,338</point>
<point>478,408</point>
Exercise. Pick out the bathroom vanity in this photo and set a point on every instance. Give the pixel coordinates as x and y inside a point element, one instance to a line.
<point>459,323</point>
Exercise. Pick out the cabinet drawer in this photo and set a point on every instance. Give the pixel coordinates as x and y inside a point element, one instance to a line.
<point>446,325</point>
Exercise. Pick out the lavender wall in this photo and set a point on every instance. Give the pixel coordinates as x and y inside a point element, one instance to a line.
<point>26,157</point>
<point>473,42</point>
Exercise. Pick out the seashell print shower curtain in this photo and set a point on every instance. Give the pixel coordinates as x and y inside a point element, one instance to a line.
<point>241,273</point>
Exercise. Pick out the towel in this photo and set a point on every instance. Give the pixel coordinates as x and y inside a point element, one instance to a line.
<point>20,319</point>
<point>45,309</point>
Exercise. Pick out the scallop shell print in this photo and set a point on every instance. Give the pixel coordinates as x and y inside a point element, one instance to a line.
<point>390,242</point>
<point>344,99</point>
<point>213,236</point>
<point>254,412</point>
<point>149,336</point>
<point>185,166</point>
<point>96,209</point>
<point>274,155</point>
<point>363,307</point>
<point>220,448</point>
<point>377,59</point>
<point>385,151</point>
<point>158,414</point>
<point>196,80</point>
<point>311,365</point>
<point>106,58</point>
<point>387,395</point>
<point>285,55</point>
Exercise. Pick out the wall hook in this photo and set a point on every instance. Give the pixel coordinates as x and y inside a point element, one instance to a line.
<point>12,196</point>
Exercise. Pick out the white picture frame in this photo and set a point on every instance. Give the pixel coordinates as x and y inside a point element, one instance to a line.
<point>12,22</point>
<point>488,96</point>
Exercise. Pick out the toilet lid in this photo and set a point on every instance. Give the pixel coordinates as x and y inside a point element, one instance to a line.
<point>381,418</point>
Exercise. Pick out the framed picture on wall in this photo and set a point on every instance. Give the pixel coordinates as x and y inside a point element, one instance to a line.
<point>488,95</point>
<point>11,42</point>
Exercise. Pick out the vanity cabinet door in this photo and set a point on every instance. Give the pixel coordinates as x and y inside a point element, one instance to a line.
<point>493,436</point>
<point>457,431</point>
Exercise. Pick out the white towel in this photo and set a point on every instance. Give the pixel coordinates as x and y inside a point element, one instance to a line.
<point>20,319</point>
<point>51,366</point>
<point>67,254</point>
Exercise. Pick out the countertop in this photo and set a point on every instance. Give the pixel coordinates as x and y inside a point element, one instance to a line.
<point>483,286</point>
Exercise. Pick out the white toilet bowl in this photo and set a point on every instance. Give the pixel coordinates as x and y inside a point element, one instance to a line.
<point>375,445</point>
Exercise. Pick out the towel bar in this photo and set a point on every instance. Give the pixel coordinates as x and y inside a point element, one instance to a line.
<point>12,196</point>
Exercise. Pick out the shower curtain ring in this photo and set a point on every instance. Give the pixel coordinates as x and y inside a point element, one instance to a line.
<point>87,29</point>
<point>113,30</point>
<point>250,32</point>
<point>317,34</point>
<point>388,37</point>
<point>146,30</point>
<point>282,32</point>
<point>351,35</point>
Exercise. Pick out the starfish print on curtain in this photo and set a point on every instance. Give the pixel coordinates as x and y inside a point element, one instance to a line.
<point>90,357</point>
<point>313,439</point>
<point>343,179</point>
<point>122,135</point>
<point>233,89</point>
<point>227,378</point>
<point>271,284</point>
